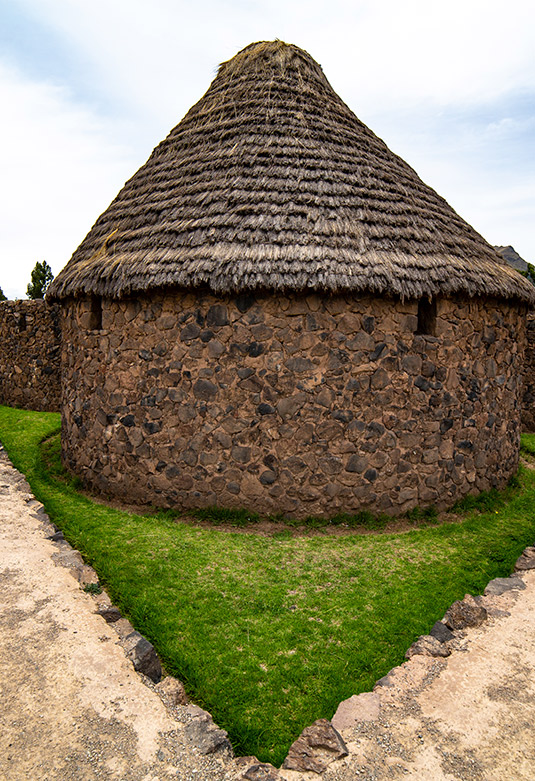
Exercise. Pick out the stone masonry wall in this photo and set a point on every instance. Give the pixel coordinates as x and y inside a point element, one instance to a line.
<point>528,399</point>
<point>30,355</point>
<point>300,404</point>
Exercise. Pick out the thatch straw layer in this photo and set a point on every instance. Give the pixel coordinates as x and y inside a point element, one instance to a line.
<point>271,182</point>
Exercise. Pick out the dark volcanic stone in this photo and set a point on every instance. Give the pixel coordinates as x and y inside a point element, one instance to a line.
<point>255,349</point>
<point>422,383</point>
<point>294,464</point>
<point>241,454</point>
<point>330,465</point>
<point>428,368</point>
<point>206,736</point>
<point>142,655</point>
<point>245,302</point>
<point>441,632</point>
<point>499,586</point>
<point>489,335</point>
<point>445,425</point>
<point>356,464</point>
<point>412,364</point>
<point>380,379</point>
<point>375,429</point>
<point>288,407</point>
<point>343,415</point>
<point>465,444</point>
<point>191,331</point>
<point>109,613</point>
<point>217,316</point>
<point>465,613</point>
<point>261,772</point>
<point>265,409</point>
<point>378,352</point>
<point>299,365</point>
<point>315,748</point>
<point>189,457</point>
<point>368,324</point>
<point>427,645</point>
<point>204,390</point>
<point>161,349</point>
<point>526,560</point>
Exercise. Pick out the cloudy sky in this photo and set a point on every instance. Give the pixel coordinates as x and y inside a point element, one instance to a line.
<point>87,89</point>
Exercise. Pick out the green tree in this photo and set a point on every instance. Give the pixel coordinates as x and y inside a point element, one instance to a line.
<point>2,296</point>
<point>42,276</point>
<point>529,273</point>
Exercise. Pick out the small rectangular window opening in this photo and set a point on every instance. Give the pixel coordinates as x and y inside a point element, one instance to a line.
<point>22,322</point>
<point>95,313</point>
<point>427,316</point>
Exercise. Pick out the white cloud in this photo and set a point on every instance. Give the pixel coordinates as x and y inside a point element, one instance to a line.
<point>59,168</point>
<point>414,71</point>
<point>504,215</point>
<point>487,178</point>
<point>159,55</point>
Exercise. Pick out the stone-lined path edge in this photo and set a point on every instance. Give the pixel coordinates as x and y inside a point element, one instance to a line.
<point>358,742</point>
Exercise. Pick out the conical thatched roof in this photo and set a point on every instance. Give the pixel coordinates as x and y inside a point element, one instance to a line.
<point>270,181</point>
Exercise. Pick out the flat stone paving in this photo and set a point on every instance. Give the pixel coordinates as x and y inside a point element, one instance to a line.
<point>72,706</point>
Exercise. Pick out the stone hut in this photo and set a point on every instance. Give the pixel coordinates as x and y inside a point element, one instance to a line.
<point>276,313</point>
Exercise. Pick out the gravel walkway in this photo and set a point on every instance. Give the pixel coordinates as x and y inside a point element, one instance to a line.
<point>73,707</point>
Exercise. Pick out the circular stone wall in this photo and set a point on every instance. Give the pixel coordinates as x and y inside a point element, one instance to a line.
<point>301,404</point>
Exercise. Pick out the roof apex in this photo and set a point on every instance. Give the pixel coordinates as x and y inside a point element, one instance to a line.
<point>277,53</point>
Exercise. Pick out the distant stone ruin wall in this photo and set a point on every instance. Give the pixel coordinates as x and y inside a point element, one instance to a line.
<point>528,401</point>
<point>30,355</point>
<point>304,404</point>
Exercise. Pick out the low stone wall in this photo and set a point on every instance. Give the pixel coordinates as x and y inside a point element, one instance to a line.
<point>528,400</point>
<point>304,404</point>
<point>30,355</point>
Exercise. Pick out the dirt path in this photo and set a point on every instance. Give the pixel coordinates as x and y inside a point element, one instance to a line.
<point>469,717</point>
<point>72,706</point>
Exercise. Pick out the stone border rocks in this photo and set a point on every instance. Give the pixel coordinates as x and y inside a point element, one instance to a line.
<point>315,748</point>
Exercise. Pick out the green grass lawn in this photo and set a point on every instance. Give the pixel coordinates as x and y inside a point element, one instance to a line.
<point>270,633</point>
